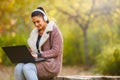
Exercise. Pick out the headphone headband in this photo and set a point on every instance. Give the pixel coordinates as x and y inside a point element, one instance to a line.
<point>45,16</point>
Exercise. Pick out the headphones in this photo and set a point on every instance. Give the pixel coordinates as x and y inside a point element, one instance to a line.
<point>45,16</point>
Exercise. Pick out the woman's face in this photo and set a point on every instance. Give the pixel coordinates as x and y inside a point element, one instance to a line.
<point>39,22</point>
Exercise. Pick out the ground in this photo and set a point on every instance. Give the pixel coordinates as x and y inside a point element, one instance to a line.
<point>7,72</point>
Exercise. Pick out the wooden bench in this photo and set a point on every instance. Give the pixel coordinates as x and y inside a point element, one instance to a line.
<point>77,77</point>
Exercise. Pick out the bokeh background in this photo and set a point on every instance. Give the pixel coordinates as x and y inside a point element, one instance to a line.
<point>90,29</point>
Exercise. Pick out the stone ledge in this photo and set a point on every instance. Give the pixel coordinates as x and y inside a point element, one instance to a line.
<point>87,77</point>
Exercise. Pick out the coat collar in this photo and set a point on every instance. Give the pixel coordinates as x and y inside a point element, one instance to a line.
<point>34,34</point>
<point>45,35</point>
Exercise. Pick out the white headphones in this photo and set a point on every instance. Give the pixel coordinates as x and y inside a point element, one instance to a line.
<point>45,16</point>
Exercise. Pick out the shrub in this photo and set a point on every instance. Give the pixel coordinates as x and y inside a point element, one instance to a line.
<point>108,62</point>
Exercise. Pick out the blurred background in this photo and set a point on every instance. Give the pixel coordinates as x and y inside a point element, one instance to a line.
<point>90,29</point>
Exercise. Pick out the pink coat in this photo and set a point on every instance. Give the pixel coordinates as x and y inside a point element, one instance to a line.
<point>51,49</point>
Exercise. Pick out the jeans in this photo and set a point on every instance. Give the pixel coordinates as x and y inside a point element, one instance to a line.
<point>26,71</point>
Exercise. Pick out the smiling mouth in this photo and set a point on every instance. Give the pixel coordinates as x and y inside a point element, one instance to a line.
<point>39,30</point>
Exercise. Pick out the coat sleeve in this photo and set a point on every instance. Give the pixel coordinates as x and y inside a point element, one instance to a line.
<point>57,44</point>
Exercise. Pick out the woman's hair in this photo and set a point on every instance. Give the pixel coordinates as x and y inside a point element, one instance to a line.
<point>38,13</point>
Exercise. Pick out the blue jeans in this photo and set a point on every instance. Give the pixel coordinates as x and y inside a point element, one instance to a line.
<point>26,71</point>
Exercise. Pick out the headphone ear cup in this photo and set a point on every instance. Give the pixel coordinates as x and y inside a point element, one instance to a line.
<point>45,18</point>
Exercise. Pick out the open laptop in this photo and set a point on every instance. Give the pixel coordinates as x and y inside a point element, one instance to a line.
<point>20,54</point>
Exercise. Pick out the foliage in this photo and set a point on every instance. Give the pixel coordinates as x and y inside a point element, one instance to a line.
<point>108,61</point>
<point>73,52</point>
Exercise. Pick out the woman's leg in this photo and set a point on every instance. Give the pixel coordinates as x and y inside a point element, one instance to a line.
<point>18,72</point>
<point>30,71</point>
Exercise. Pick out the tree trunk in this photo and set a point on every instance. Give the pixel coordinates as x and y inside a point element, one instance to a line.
<point>86,48</point>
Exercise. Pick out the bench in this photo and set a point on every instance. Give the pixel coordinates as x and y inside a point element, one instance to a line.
<point>77,77</point>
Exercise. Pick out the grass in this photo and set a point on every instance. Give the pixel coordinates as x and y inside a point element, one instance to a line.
<point>6,73</point>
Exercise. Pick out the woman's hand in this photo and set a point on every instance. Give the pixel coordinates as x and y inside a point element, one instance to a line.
<point>35,55</point>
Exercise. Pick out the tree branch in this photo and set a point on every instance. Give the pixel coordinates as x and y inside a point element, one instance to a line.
<point>74,17</point>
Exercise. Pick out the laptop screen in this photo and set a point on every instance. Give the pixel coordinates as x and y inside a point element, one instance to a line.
<point>18,54</point>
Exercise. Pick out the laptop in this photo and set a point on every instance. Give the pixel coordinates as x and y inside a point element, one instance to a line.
<point>20,54</point>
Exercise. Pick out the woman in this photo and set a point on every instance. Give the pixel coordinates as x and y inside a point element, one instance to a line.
<point>45,43</point>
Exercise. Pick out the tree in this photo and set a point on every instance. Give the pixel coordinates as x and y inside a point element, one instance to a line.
<point>85,17</point>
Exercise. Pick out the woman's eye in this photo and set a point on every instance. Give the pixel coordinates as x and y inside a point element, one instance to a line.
<point>37,21</point>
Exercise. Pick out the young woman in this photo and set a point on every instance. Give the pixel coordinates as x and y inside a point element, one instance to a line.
<point>45,42</point>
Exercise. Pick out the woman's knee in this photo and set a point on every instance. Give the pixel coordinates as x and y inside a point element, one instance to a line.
<point>19,67</point>
<point>28,67</point>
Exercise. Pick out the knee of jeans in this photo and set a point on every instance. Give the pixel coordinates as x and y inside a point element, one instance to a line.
<point>19,67</point>
<point>27,67</point>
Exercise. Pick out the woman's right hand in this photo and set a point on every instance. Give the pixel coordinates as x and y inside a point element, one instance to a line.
<point>34,55</point>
